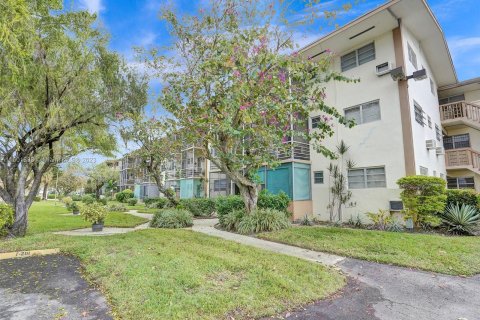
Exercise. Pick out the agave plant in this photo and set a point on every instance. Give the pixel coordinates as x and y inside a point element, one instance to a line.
<point>460,219</point>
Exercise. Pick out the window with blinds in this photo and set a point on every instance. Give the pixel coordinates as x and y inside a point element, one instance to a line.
<point>460,183</point>
<point>412,56</point>
<point>418,113</point>
<point>373,177</point>
<point>457,141</point>
<point>318,177</point>
<point>364,113</point>
<point>452,99</point>
<point>358,57</point>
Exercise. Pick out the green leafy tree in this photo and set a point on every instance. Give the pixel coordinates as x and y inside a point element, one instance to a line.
<point>423,198</point>
<point>100,175</point>
<point>60,91</point>
<point>158,143</point>
<point>69,180</point>
<point>236,92</point>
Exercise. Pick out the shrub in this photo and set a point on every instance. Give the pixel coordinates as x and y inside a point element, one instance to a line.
<point>225,205</point>
<point>231,220</point>
<point>102,201</point>
<point>94,213</point>
<point>124,195</point>
<point>162,203</point>
<point>462,196</point>
<point>381,220</point>
<point>150,201</point>
<point>354,222</point>
<point>76,197</point>
<point>199,207</point>
<point>395,226</point>
<point>88,199</point>
<point>306,221</point>
<point>460,219</point>
<point>37,198</point>
<point>423,197</point>
<point>51,196</point>
<point>263,220</point>
<point>268,200</point>
<point>74,207</point>
<point>6,218</point>
<point>67,201</point>
<point>117,207</point>
<point>132,201</point>
<point>172,218</point>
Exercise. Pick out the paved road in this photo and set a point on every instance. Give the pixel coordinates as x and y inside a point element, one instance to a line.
<point>48,287</point>
<point>378,291</point>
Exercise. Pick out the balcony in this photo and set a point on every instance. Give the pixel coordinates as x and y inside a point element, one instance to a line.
<point>192,173</point>
<point>460,113</point>
<point>464,158</point>
<point>295,151</point>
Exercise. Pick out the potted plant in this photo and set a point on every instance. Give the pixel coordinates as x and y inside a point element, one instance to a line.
<point>94,213</point>
<point>75,208</point>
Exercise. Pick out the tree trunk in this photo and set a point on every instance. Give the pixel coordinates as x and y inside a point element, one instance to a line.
<point>250,197</point>
<point>19,227</point>
<point>45,189</point>
<point>97,192</point>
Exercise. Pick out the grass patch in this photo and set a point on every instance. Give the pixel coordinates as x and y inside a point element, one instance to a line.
<point>450,255</point>
<point>48,216</point>
<point>180,274</point>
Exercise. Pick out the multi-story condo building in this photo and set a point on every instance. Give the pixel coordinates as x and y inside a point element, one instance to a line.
<point>408,122</point>
<point>460,116</point>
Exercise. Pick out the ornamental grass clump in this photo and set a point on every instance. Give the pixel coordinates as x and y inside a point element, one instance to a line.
<point>462,219</point>
<point>262,220</point>
<point>172,219</point>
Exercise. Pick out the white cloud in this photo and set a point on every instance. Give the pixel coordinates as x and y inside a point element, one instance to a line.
<point>92,6</point>
<point>460,45</point>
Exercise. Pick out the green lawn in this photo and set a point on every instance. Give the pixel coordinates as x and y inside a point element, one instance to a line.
<point>180,274</point>
<point>48,216</point>
<point>450,255</point>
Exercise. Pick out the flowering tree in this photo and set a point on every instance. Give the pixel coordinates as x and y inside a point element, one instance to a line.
<point>238,89</point>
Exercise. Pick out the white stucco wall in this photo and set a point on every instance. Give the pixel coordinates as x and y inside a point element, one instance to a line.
<point>377,143</point>
<point>420,92</point>
<point>473,96</point>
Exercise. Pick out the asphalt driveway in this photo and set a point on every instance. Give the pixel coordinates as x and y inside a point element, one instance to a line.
<point>379,291</point>
<point>48,287</point>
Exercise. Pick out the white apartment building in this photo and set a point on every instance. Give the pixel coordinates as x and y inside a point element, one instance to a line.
<point>399,125</point>
<point>407,123</point>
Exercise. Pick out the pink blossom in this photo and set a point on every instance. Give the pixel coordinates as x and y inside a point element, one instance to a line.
<point>245,106</point>
<point>294,53</point>
<point>119,115</point>
<point>237,73</point>
<point>263,113</point>
<point>284,140</point>
<point>282,76</point>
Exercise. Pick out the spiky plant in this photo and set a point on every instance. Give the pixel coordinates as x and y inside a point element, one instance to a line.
<point>460,219</point>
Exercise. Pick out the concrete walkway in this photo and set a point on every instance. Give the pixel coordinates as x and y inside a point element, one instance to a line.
<point>374,290</point>
<point>109,231</point>
<point>207,226</point>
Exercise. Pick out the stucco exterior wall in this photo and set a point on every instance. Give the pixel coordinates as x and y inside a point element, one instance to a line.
<point>420,91</point>
<point>473,96</point>
<point>378,143</point>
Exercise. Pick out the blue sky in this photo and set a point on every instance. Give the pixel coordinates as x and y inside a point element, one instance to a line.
<point>135,23</point>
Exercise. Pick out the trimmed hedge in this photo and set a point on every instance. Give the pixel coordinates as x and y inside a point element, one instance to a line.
<point>132,201</point>
<point>462,196</point>
<point>266,200</point>
<point>199,207</point>
<point>172,218</point>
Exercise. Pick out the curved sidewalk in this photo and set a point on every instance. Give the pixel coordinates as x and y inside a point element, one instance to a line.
<point>109,231</point>
<point>207,226</point>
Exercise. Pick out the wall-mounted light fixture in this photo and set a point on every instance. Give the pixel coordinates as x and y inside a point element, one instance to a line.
<point>398,74</point>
